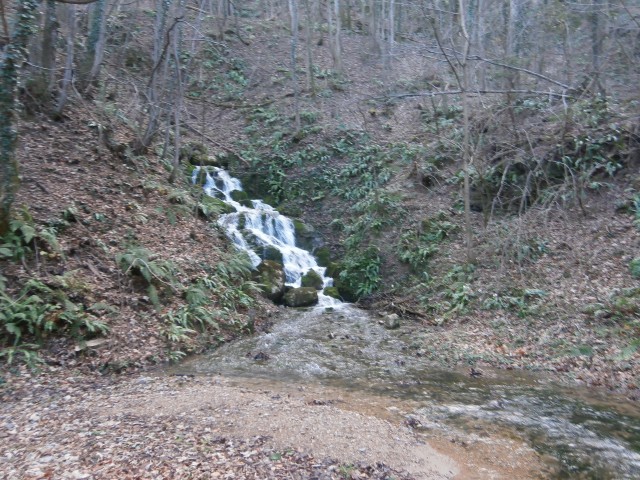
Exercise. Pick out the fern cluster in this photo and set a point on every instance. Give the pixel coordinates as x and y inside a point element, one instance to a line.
<point>156,273</point>
<point>37,312</point>
<point>419,244</point>
<point>212,300</point>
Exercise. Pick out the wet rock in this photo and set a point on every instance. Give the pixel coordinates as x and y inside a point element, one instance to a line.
<point>270,252</point>
<point>211,206</point>
<point>261,357</point>
<point>196,154</point>
<point>312,279</point>
<point>392,321</point>
<point>270,275</point>
<point>239,195</point>
<point>323,256</point>
<point>332,292</point>
<point>301,297</point>
<point>306,236</point>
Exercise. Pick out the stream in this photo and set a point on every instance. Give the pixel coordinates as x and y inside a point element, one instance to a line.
<point>580,433</point>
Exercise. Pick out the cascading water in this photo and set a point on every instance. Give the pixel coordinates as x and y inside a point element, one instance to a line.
<point>261,226</point>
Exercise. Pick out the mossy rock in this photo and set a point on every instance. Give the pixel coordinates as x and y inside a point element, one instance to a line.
<point>246,203</point>
<point>272,253</point>
<point>201,179</point>
<point>242,221</point>
<point>217,205</point>
<point>332,292</point>
<point>290,211</point>
<point>197,154</point>
<point>301,297</point>
<point>239,195</point>
<point>270,275</point>
<point>256,186</point>
<point>346,290</point>
<point>312,279</point>
<point>323,256</point>
<point>306,236</point>
<point>333,270</point>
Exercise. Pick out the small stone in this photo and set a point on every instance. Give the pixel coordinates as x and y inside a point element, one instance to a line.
<point>392,321</point>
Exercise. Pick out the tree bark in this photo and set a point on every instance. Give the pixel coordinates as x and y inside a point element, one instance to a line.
<point>13,56</point>
<point>68,67</point>
<point>466,142</point>
<point>293,10</point>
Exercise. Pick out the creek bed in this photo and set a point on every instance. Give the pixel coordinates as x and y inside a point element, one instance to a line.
<point>581,434</point>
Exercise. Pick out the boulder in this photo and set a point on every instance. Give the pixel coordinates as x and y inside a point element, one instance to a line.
<point>301,297</point>
<point>347,290</point>
<point>391,321</point>
<point>195,153</point>
<point>312,279</point>
<point>333,270</point>
<point>323,256</point>
<point>239,195</point>
<point>270,275</point>
<point>332,292</point>
<point>306,236</point>
<point>269,252</point>
<point>210,206</point>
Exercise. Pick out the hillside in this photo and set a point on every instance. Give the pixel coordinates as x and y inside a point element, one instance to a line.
<point>375,168</point>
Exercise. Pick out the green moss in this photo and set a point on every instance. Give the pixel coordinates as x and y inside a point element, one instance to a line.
<point>332,292</point>
<point>270,275</point>
<point>220,205</point>
<point>312,279</point>
<point>272,253</point>
<point>301,297</point>
<point>323,256</point>
<point>333,270</point>
<point>239,195</point>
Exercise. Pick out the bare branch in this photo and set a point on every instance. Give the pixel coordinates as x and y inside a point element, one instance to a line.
<point>477,92</point>
<point>77,2</point>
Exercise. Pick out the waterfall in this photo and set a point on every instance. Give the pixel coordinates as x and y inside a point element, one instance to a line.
<point>262,226</point>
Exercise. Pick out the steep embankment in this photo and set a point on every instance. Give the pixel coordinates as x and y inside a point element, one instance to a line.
<point>120,256</point>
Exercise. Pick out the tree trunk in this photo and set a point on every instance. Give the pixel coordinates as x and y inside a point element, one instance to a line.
<point>178,96</point>
<point>98,54</point>
<point>68,66</point>
<point>12,57</point>
<point>293,10</point>
<point>48,60</point>
<point>466,141</point>
<point>154,110</point>
<point>311,79</point>
<point>597,19</point>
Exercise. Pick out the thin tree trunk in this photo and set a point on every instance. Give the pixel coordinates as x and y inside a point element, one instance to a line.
<point>68,66</point>
<point>337,40</point>
<point>13,55</point>
<point>98,53</point>
<point>466,142</point>
<point>48,60</point>
<point>293,10</point>
<point>178,96</point>
<point>154,110</point>
<point>311,79</point>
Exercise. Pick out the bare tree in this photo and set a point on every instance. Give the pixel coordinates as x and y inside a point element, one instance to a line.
<point>293,10</point>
